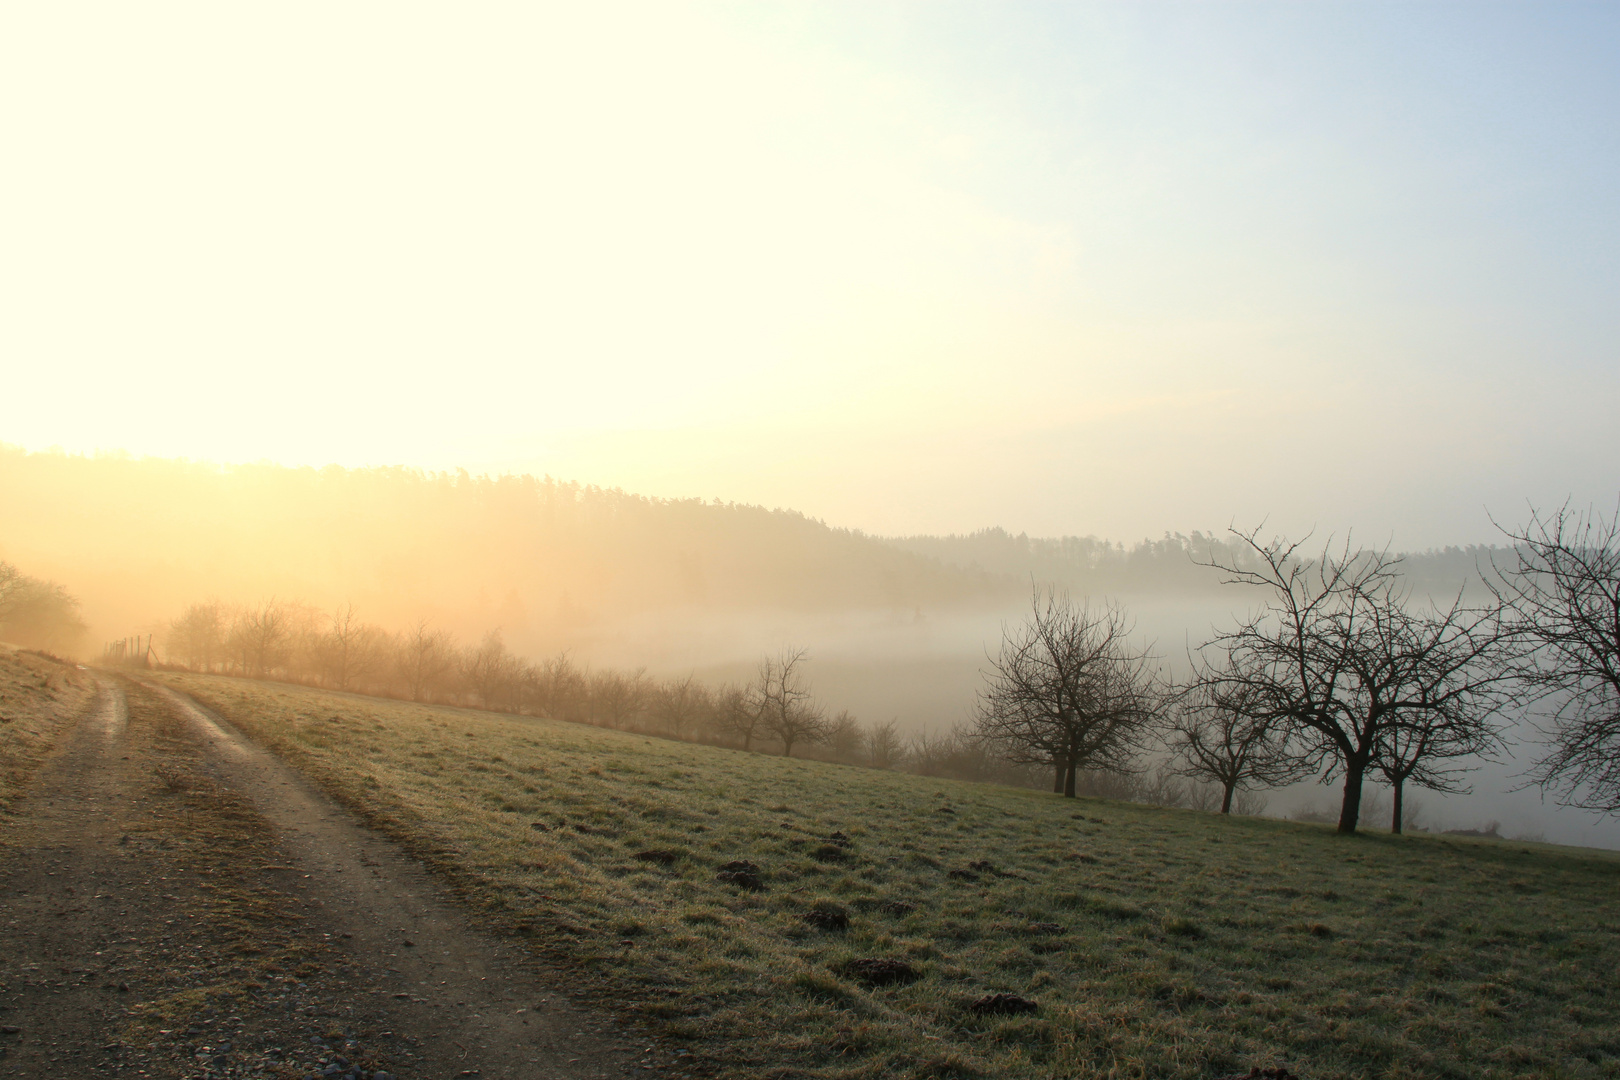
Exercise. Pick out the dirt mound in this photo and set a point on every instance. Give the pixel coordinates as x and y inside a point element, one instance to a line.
<point>827,917</point>
<point>743,874</point>
<point>1002,1005</point>
<point>831,853</point>
<point>879,971</point>
<point>661,856</point>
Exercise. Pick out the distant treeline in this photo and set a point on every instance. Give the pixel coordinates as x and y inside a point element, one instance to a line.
<point>1176,563</point>
<point>553,563</point>
<point>545,559</point>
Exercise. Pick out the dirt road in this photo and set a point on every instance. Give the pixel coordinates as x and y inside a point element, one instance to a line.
<point>176,902</point>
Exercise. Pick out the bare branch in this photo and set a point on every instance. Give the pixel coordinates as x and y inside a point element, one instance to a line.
<point>1337,661</point>
<point>1564,593</point>
<point>1068,691</point>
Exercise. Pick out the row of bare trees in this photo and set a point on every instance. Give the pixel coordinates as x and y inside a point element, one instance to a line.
<point>1339,673</point>
<point>775,710</point>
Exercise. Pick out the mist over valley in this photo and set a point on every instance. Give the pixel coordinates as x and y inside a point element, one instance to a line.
<point>899,629</point>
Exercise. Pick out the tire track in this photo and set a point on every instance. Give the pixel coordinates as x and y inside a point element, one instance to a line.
<point>176,902</point>
<point>445,978</point>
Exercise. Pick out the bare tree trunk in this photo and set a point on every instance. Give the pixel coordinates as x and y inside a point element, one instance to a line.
<point>1226,797</point>
<point>1068,778</point>
<point>1058,773</point>
<point>1355,769</point>
<point>1400,792</point>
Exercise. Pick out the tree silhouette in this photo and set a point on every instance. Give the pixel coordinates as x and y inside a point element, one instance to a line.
<point>783,696</point>
<point>1565,596</point>
<point>1338,661</point>
<point>1068,691</point>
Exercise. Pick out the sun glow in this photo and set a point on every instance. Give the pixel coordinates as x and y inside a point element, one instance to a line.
<point>1059,271</point>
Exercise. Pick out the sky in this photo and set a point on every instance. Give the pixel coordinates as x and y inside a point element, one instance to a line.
<point>1109,269</point>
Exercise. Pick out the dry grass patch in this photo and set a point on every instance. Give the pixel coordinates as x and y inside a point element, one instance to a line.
<point>39,699</point>
<point>1146,942</point>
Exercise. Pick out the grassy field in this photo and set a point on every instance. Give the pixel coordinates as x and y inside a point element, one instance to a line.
<point>1152,943</point>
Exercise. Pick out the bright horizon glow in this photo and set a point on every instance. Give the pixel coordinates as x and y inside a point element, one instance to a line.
<point>1104,269</point>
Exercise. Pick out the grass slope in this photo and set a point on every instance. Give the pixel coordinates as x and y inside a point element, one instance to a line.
<point>39,697</point>
<point>1156,943</point>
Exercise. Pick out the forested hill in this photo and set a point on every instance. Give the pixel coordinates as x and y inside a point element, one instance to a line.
<point>546,560</point>
<point>466,550</point>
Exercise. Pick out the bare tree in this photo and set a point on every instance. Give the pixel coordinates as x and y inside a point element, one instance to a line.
<point>1163,785</point>
<point>1411,810</point>
<point>679,703</point>
<point>1068,691</point>
<point>959,754</point>
<point>1108,784</point>
<point>845,738</point>
<point>1565,594</point>
<point>789,711</point>
<point>884,747</point>
<point>739,714</point>
<point>348,650</point>
<point>1250,803</point>
<point>1201,795</point>
<point>1220,735</point>
<point>529,686</point>
<point>557,688</point>
<point>487,670</point>
<point>618,697</point>
<point>424,658</point>
<point>261,637</point>
<point>197,637</point>
<point>1448,672</point>
<point>1335,657</point>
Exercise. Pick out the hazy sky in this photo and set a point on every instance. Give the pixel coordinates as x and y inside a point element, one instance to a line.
<point>1065,268</point>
